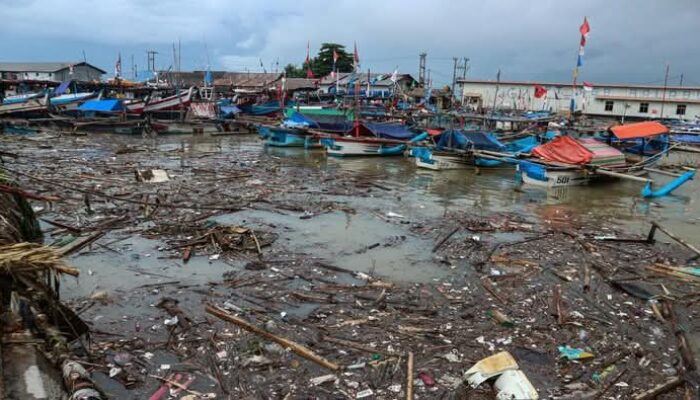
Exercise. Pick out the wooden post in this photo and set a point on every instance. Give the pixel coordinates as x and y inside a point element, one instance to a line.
<point>409,376</point>
<point>293,346</point>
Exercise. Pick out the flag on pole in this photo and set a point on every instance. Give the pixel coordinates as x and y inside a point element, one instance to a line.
<point>356,58</point>
<point>585,28</point>
<point>587,86</point>
<point>118,66</point>
<point>309,72</point>
<point>540,91</point>
<point>335,57</point>
<point>395,75</point>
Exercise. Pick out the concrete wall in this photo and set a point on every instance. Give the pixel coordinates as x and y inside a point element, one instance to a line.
<point>626,100</point>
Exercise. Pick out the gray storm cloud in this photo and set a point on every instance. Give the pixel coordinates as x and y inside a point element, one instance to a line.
<point>630,41</point>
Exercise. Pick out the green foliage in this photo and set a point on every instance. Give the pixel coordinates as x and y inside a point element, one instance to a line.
<point>322,64</point>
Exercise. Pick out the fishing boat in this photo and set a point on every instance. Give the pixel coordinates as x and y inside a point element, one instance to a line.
<point>21,98</point>
<point>642,138</point>
<point>323,118</point>
<point>177,102</point>
<point>69,103</point>
<point>566,161</point>
<point>29,107</point>
<point>262,109</point>
<point>454,150</point>
<point>280,136</point>
<point>372,139</point>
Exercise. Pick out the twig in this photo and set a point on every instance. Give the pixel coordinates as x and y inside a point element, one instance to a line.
<point>443,240</point>
<point>293,346</point>
<point>409,376</point>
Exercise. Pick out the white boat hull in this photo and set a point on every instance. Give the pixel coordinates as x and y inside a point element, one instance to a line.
<point>348,148</point>
<point>556,178</point>
<point>29,106</point>
<point>439,162</point>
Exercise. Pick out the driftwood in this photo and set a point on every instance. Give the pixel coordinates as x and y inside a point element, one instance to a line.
<point>284,342</point>
<point>409,376</point>
<point>659,389</point>
<point>655,225</point>
<point>444,239</point>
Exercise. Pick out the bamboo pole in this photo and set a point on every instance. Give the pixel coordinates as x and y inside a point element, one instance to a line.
<point>655,225</point>
<point>409,376</point>
<point>607,172</point>
<point>293,346</point>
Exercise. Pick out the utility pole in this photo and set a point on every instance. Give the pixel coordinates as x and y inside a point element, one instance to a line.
<point>663,96</point>
<point>461,66</point>
<point>454,75</point>
<point>430,83</point>
<point>133,68</point>
<point>152,60</point>
<point>421,69</point>
<point>681,82</point>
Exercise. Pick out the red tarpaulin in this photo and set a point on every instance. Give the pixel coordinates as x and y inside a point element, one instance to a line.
<point>639,130</point>
<point>565,150</point>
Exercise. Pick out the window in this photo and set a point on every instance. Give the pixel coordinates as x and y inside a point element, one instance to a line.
<point>680,109</point>
<point>644,108</point>
<point>609,105</point>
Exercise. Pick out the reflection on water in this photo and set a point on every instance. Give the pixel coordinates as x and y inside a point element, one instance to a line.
<point>481,192</point>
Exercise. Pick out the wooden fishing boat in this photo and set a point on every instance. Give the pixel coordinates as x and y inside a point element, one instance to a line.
<point>372,139</point>
<point>453,150</point>
<point>177,102</point>
<point>279,136</point>
<point>67,103</point>
<point>31,106</point>
<point>566,161</point>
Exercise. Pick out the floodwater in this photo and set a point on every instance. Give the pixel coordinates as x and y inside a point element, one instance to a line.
<point>376,239</point>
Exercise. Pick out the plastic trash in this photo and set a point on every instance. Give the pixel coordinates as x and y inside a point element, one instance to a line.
<point>510,382</point>
<point>427,379</point>
<point>364,393</point>
<point>319,380</point>
<point>571,353</point>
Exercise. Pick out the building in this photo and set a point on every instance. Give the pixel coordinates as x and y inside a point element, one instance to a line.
<point>380,85</point>
<point>50,71</point>
<point>248,82</point>
<point>599,99</point>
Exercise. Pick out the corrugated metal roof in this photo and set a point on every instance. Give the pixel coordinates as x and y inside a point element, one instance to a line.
<point>300,83</point>
<point>41,66</point>
<point>248,79</point>
<point>378,79</point>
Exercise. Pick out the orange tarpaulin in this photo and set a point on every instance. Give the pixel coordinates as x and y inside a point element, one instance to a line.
<point>564,149</point>
<point>639,130</point>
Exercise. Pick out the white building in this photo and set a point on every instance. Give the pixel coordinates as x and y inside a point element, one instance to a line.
<point>604,99</point>
<point>380,85</point>
<point>50,71</point>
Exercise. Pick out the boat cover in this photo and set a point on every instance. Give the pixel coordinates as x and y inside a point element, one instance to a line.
<point>639,130</point>
<point>483,141</point>
<point>388,131</point>
<point>565,149</point>
<point>298,120</point>
<point>110,105</point>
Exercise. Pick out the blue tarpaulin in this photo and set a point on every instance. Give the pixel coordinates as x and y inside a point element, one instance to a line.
<point>389,131</point>
<point>483,141</point>
<point>110,105</point>
<point>298,120</point>
<point>452,139</point>
<point>62,87</point>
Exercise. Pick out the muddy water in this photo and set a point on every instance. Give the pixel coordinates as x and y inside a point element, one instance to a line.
<point>375,239</point>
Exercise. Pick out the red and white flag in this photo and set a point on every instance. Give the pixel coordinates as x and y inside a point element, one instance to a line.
<point>587,86</point>
<point>335,56</point>
<point>309,72</point>
<point>540,91</point>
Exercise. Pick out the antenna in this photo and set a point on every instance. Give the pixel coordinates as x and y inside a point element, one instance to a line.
<point>152,60</point>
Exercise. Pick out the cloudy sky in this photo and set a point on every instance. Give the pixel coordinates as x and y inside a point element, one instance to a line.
<point>630,40</point>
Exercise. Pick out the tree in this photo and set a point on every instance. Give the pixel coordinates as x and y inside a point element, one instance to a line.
<point>292,71</point>
<point>322,64</point>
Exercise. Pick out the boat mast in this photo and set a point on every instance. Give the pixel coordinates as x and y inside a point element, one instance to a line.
<point>663,93</point>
